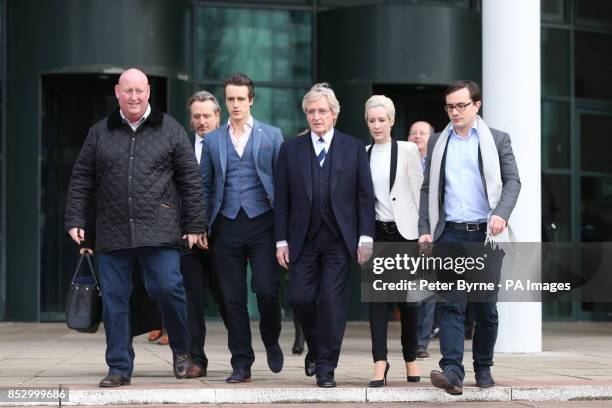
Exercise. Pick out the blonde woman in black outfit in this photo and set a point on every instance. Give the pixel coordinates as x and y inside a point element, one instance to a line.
<point>397,177</point>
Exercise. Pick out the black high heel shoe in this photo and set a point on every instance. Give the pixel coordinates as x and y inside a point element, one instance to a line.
<point>413,378</point>
<point>380,383</point>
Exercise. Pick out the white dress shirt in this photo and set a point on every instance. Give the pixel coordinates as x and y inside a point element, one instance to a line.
<point>135,125</point>
<point>240,143</point>
<point>199,140</point>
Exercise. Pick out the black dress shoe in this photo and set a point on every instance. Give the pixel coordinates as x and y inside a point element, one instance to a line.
<point>380,383</point>
<point>298,343</point>
<point>484,379</point>
<point>309,366</point>
<point>239,375</point>
<point>422,354</point>
<point>111,381</point>
<point>446,381</point>
<point>182,365</point>
<point>275,358</point>
<point>326,381</point>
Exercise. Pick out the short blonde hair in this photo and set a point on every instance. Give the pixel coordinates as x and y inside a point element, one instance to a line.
<point>318,91</point>
<point>380,101</point>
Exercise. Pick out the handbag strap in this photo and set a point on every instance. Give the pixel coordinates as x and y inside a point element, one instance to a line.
<point>91,268</point>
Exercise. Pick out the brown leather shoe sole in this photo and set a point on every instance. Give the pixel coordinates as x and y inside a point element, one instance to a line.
<point>438,380</point>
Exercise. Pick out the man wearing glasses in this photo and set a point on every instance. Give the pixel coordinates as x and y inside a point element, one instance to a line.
<point>470,187</point>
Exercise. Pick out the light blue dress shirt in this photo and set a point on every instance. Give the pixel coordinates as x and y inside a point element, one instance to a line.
<point>464,194</point>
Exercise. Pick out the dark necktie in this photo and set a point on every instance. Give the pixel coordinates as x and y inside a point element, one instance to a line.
<point>321,155</point>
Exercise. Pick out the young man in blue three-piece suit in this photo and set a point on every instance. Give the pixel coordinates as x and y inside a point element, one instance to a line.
<point>323,216</point>
<point>238,165</point>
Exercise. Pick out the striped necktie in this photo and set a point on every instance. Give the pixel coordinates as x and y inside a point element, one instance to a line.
<point>321,155</point>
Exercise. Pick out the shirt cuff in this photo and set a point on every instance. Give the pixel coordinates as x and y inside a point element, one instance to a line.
<point>365,240</point>
<point>281,244</point>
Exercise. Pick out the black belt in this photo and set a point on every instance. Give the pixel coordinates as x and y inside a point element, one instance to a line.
<point>467,226</point>
<point>389,228</point>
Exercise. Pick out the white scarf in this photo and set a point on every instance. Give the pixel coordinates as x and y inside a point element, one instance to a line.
<point>491,171</point>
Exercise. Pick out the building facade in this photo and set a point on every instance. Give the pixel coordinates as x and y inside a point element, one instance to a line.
<point>60,61</point>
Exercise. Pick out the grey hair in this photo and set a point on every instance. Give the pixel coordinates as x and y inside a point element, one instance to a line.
<point>380,101</point>
<point>203,96</point>
<point>318,91</point>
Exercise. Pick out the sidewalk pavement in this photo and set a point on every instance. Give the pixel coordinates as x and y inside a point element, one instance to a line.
<point>576,364</point>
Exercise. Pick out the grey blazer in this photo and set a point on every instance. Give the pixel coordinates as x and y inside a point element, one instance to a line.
<point>509,174</point>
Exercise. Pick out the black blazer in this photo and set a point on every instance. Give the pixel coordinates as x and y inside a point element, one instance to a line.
<point>352,193</point>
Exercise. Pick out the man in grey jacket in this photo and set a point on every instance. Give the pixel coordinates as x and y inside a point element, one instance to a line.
<point>471,185</point>
<point>139,165</point>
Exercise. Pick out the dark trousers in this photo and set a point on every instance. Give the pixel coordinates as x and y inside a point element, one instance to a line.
<point>379,315</point>
<point>197,274</point>
<point>159,269</point>
<point>426,312</point>
<point>234,243</point>
<point>319,296</point>
<point>452,313</point>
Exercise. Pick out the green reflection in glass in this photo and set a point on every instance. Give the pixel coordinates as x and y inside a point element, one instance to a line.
<point>555,62</point>
<point>280,107</point>
<point>266,45</point>
<point>555,135</point>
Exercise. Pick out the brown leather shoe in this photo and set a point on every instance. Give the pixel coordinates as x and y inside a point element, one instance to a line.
<point>111,381</point>
<point>196,371</point>
<point>154,335</point>
<point>164,341</point>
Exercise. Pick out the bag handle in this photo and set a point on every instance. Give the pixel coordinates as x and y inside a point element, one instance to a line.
<point>91,268</point>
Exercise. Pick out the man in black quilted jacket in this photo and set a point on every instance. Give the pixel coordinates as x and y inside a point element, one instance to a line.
<point>139,165</point>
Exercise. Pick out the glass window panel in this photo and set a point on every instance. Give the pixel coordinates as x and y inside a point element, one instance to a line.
<point>594,13</point>
<point>553,10</point>
<point>596,201</point>
<point>352,3</point>
<point>556,201</point>
<point>593,65</point>
<point>595,142</point>
<point>280,107</point>
<point>266,45</point>
<point>555,135</point>
<point>555,62</point>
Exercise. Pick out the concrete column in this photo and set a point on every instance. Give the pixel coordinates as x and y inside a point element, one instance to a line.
<point>511,102</point>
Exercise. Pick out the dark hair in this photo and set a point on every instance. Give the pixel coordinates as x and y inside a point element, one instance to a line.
<point>239,79</point>
<point>471,86</point>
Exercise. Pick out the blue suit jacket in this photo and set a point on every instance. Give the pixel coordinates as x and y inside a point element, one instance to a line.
<point>352,193</point>
<point>266,141</point>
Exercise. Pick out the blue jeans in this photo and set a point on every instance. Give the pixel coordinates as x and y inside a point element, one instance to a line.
<point>452,313</point>
<point>159,269</point>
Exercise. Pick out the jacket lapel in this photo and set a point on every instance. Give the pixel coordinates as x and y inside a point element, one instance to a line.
<point>393,169</point>
<point>257,136</point>
<point>223,150</point>
<point>304,160</point>
<point>337,150</point>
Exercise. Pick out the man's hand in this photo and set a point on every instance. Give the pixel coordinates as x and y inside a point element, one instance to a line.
<point>496,224</point>
<point>77,235</point>
<point>282,256</point>
<point>192,239</point>
<point>426,245</point>
<point>202,241</point>
<point>425,238</point>
<point>364,253</point>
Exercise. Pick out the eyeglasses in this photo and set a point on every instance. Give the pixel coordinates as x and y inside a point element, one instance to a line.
<point>321,112</point>
<point>459,106</point>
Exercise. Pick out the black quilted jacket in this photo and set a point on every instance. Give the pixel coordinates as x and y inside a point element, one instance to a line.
<point>140,180</point>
